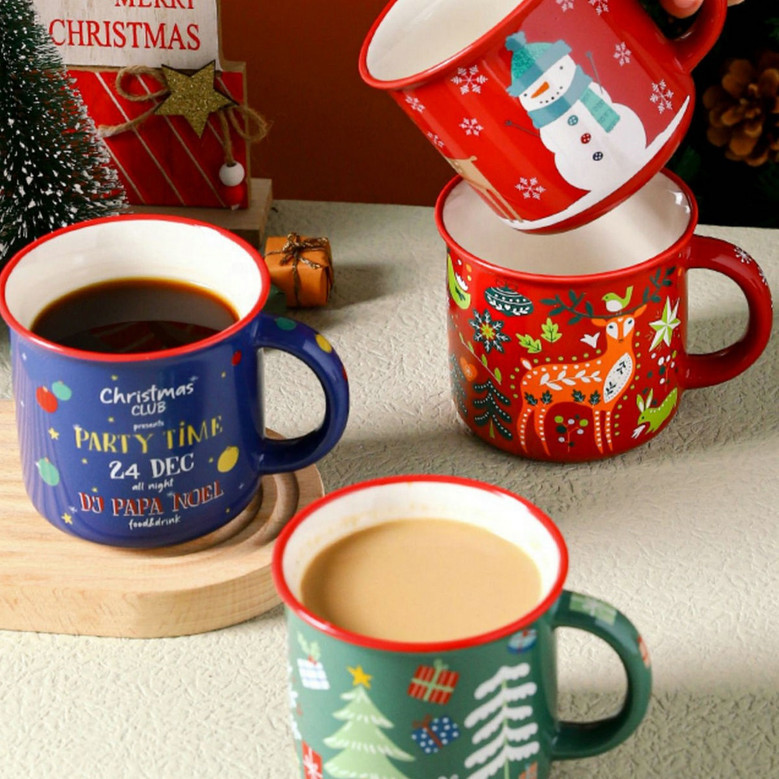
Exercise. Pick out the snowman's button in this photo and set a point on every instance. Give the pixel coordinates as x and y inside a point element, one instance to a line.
<point>572,120</point>
<point>586,138</point>
<point>598,156</point>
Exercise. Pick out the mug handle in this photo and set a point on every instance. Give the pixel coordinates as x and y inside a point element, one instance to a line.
<point>703,370</point>
<point>312,348</point>
<point>584,739</point>
<point>693,46</point>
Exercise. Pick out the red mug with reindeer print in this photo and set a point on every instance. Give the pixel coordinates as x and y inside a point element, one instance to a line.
<point>591,361</point>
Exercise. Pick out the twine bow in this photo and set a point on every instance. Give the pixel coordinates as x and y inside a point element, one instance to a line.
<point>229,116</point>
<point>293,251</point>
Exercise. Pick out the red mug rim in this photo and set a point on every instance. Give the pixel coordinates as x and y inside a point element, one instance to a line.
<point>112,357</point>
<point>570,278</point>
<point>469,52</point>
<point>370,642</point>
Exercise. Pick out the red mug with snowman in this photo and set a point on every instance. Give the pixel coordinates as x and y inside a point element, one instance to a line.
<point>554,111</point>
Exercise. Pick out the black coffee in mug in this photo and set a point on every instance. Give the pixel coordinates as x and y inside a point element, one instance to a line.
<point>129,316</point>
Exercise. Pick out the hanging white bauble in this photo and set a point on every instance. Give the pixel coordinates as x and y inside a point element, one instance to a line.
<point>232,175</point>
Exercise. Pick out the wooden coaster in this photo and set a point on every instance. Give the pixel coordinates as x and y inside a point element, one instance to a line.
<point>52,582</point>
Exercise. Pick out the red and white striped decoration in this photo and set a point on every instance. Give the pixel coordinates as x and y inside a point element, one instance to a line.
<point>161,161</point>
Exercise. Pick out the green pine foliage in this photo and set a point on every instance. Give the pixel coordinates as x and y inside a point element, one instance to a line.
<point>54,170</point>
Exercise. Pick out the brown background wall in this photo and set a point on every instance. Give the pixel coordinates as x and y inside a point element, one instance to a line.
<point>332,137</point>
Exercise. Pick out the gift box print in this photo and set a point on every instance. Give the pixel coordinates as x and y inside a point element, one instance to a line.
<point>433,734</point>
<point>434,684</point>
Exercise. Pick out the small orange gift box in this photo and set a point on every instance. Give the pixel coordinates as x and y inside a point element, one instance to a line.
<point>302,268</point>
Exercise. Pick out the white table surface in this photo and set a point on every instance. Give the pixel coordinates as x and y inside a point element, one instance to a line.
<point>681,535</point>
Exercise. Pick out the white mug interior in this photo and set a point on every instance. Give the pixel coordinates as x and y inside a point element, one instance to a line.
<point>350,512</point>
<point>128,248</point>
<point>416,35</point>
<point>645,225</point>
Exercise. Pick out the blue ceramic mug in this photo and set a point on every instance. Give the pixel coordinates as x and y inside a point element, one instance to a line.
<point>150,448</point>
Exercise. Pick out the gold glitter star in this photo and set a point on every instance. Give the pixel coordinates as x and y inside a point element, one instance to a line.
<point>192,97</point>
<point>53,434</point>
<point>360,677</point>
<point>67,518</point>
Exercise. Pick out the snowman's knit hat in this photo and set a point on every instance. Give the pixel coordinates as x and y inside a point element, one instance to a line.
<point>531,60</point>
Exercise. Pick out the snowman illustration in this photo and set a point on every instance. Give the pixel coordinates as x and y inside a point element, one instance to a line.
<point>597,144</point>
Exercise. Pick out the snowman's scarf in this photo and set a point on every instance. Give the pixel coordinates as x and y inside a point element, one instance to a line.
<point>580,91</point>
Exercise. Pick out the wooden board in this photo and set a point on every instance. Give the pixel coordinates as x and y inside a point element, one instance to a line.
<point>247,223</point>
<point>56,583</point>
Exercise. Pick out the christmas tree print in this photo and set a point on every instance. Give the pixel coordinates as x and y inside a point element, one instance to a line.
<point>366,752</point>
<point>500,737</point>
<point>54,170</point>
<point>491,412</point>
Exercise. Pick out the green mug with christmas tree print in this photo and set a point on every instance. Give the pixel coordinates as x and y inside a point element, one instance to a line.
<point>408,661</point>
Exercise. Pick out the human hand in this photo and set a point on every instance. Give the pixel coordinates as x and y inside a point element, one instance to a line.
<point>683,8</point>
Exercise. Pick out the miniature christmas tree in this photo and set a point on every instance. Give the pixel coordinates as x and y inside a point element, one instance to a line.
<point>54,170</point>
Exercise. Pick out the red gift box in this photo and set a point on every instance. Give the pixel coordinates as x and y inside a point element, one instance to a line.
<point>161,161</point>
<point>434,684</point>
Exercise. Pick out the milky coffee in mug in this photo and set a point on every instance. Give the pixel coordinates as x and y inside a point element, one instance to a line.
<point>370,582</point>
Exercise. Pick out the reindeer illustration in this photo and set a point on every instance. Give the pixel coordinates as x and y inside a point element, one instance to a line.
<point>597,383</point>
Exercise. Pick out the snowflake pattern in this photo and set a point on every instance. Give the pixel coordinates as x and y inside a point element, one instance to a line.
<point>662,96</point>
<point>415,103</point>
<point>530,188</point>
<point>747,259</point>
<point>565,5</point>
<point>600,6</point>
<point>469,80</point>
<point>622,54</point>
<point>743,256</point>
<point>435,139</point>
<point>488,331</point>
<point>471,126</point>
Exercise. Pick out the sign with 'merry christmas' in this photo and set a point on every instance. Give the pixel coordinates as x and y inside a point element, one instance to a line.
<point>185,33</point>
<point>172,113</point>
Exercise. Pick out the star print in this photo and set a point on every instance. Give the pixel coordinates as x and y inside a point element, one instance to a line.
<point>53,434</point>
<point>665,326</point>
<point>67,518</point>
<point>360,677</point>
<point>192,97</point>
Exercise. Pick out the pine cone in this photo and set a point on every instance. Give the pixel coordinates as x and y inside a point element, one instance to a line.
<point>744,110</point>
